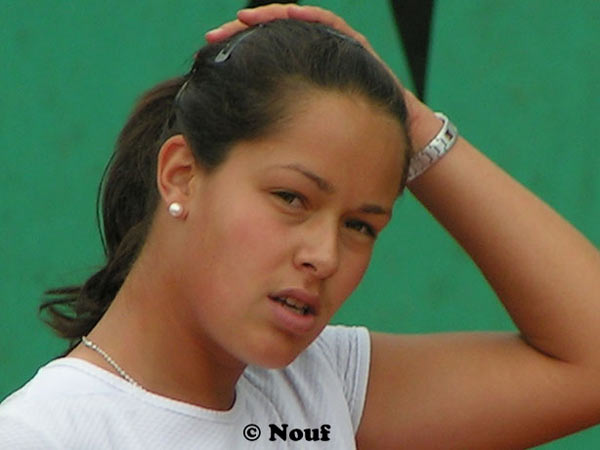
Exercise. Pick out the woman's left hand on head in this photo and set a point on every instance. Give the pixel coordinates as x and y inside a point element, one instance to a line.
<point>423,123</point>
<point>253,16</point>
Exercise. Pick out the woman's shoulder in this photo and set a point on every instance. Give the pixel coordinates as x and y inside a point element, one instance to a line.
<point>330,376</point>
<point>71,403</point>
<point>64,386</point>
<point>343,348</point>
<point>33,412</point>
<point>70,377</point>
<point>337,349</point>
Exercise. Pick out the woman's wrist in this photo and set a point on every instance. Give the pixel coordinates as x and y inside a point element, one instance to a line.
<point>423,124</point>
<point>437,147</point>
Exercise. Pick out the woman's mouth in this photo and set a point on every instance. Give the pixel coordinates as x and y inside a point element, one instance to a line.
<point>295,305</point>
<point>295,310</point>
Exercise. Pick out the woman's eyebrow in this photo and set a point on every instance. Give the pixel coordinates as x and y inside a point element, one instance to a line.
<point>321,183</point>
<point>327,187</point>
<point>375,209</point>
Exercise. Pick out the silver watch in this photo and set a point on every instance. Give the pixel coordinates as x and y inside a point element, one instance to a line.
<point>438,147</point>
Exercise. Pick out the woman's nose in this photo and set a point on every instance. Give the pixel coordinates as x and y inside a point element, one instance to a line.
<point>318,252</point>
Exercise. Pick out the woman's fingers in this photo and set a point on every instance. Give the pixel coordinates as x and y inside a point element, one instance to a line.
<point>224,31</point>
<point>271,12</point>
<point>253,16</point>
<point>320,15</point>
<point>247,18</point>
<point>262,14</point>
<point>267,13</point>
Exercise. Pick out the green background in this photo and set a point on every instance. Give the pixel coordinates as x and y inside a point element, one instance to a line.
<point>520,79</point>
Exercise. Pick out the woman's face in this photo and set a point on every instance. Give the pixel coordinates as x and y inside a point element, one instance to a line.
<point>281,233</point>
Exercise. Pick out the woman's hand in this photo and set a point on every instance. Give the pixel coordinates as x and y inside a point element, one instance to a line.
<point>253,16</point>
<point>423,124</point>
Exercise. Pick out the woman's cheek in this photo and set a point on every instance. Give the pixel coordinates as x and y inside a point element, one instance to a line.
<point>350,273</point>
<point>255,233</point>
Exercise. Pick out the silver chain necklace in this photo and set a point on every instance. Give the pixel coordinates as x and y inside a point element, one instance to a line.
<point>109,360</point>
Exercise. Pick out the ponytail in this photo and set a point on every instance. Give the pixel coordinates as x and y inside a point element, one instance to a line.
<point>126,199</point>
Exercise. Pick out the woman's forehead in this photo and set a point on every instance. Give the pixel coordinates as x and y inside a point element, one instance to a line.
<point>339,138</point>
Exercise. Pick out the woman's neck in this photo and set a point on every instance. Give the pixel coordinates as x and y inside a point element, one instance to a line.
<point>143,332</point>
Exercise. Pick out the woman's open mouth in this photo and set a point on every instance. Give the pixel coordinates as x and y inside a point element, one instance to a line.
<point>293,304</point>
<point>295,310</point>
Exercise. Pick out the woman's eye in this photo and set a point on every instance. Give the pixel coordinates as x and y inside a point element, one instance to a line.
<point>362,227</point>
<point>290,198</point>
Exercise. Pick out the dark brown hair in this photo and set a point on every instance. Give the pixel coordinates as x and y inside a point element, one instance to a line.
<point>238,89</point>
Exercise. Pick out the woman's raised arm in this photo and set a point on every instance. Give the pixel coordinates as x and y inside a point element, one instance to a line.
<point>495,390</point>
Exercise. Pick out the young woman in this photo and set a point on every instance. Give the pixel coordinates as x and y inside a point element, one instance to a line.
<point>240,211</point>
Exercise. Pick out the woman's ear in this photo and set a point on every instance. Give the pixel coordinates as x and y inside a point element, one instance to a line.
<point>175,171</point>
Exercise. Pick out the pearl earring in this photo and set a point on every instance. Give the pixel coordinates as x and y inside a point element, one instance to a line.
<point>175,209</point>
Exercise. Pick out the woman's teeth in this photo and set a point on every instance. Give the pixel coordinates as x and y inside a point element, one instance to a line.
<point>293,304</point>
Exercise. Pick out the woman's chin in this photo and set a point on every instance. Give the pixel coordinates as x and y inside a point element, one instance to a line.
<point>273,358</point>
<point>272,348</point>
